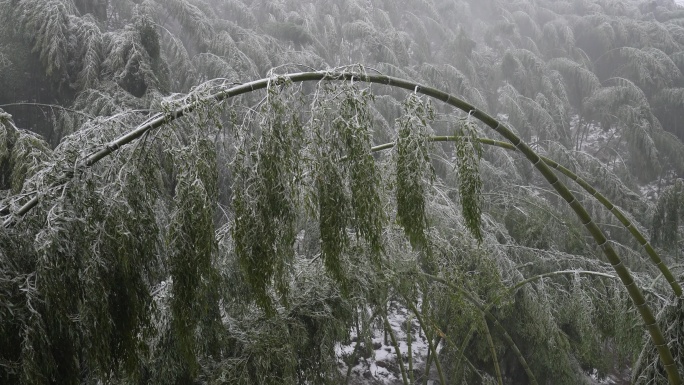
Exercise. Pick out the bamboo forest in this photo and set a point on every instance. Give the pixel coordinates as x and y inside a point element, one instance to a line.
<point>360,192</point>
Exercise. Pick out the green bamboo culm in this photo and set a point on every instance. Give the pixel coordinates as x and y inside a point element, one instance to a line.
<point>492,349</point>
<point>625,276</point>
<point>672,319</point>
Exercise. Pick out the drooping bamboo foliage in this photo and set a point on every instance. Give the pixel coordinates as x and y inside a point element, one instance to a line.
<point>194,247</point>
<point>614,210</point>
<point>468,152</point>
<point>268,171</point>
<point>413,170</point>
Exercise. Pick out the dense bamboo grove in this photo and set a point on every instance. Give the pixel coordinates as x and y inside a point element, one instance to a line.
<point>226,191</point>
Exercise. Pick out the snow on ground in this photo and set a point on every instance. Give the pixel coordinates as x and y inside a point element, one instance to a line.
<point>595,140</point>
<point>650,191</point>
<point>381,366</point>
<point>620,378</point>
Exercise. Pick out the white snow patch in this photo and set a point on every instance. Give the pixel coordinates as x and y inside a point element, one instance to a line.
<point>383,366</point>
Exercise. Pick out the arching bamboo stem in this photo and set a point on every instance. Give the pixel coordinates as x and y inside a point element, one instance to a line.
<point>165,117</point>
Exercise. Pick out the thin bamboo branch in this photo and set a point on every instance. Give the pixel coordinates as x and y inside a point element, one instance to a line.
<point>431,345</point>
<point>428,362</point>
<point>553,273</point>
<point>354,355</point>
<point>492,348</point>
<point>395,343</point>
<point>51,106</point>
<point>353,359</point>
<point>464,344</point>
<point>409,344</point>
<point>485,311</point>
<point>160,119</point>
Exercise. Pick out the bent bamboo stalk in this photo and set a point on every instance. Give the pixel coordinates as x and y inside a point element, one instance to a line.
<point>625,276</point>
